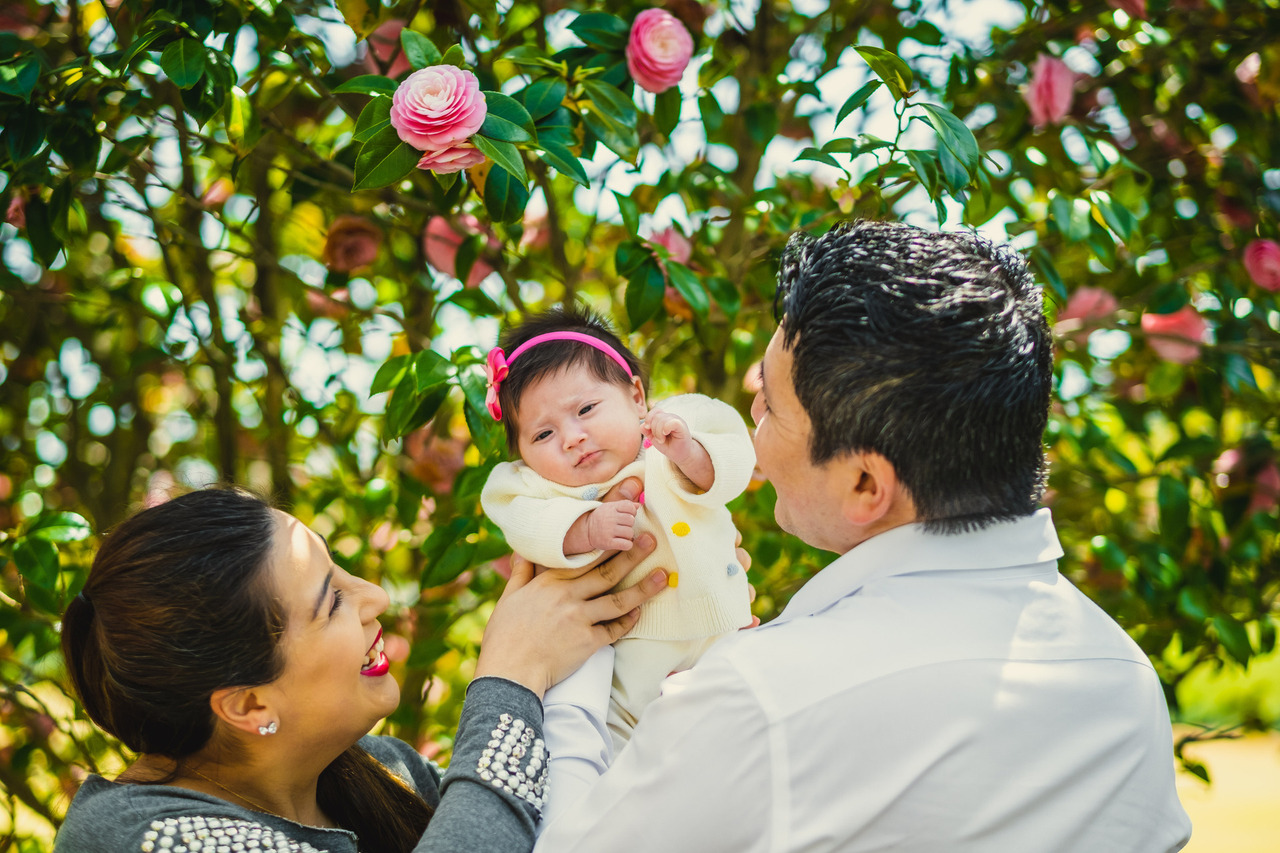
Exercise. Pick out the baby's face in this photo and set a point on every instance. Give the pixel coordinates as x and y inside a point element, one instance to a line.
<point>577,429</point>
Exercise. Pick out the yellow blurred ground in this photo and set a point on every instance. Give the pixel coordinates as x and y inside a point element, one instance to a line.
<point>1240,811</point>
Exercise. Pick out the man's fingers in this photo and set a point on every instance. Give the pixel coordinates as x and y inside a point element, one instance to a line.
<point>628,490</point>
<point>616,629</point>
<point>522,571</point>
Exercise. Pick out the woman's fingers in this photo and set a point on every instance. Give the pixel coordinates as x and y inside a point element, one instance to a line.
<point>609,607</point>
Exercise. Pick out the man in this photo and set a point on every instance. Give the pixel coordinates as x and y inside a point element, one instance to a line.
<point>939,687</point>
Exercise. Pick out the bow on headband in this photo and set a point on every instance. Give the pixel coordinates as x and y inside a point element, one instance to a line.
<point>497,364</point>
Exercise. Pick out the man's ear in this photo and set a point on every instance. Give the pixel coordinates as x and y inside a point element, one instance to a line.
<point>874,494</point>
<point>242,708</point>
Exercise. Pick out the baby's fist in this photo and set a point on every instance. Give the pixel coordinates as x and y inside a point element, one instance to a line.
<point>612,526</point>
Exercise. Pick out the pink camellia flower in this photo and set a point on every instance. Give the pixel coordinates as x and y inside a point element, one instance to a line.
<point>1266,488</point>
<point>1176,337</point>
<point>1262,262</point>
<point>1051,90</point>
<point>217,193</point>
<point>1133,8</point>
<point>658,50</point>
<point>453,159</point>
<point>676,244</point>
<point>440,243</point>
<point>438,107</point>
<point>1088,303</point>
<point>352,242</point>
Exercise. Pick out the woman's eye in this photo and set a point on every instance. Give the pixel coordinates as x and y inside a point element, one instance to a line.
<point>337,601</point>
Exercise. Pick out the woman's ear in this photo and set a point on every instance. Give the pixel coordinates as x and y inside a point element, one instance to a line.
<point>242,708</point>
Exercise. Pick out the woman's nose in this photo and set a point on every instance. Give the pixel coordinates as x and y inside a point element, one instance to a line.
<point>373,600</point>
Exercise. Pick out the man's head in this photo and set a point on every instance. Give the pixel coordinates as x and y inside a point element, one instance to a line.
<point>925,350</point>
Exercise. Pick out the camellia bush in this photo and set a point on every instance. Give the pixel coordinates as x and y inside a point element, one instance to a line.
<point>270,243</point>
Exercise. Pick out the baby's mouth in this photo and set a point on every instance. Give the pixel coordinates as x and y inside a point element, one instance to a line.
<point>375,662</point>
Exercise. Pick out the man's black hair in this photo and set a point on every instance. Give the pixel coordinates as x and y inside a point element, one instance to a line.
<point>554,356</point>
<point>931,349</point>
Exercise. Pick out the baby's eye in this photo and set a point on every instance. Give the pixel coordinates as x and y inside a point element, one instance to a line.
<point>588,407</point>
<point>545,434</point>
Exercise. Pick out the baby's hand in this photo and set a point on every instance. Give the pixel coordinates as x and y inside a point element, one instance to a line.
<point>669,433</point>
<point>612,526</point>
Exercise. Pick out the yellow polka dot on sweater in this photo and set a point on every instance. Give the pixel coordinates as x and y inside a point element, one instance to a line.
<point>673,580</point>
<point>680,528</point>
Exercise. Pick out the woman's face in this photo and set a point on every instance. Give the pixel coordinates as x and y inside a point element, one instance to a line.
<point>335,685</point>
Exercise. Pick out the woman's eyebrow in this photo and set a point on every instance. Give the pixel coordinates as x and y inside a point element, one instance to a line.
<point>324,592</point>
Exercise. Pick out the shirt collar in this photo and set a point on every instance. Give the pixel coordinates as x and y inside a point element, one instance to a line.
<point>909,549</point>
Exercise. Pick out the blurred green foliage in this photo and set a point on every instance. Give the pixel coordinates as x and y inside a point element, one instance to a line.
<point>192,290</point>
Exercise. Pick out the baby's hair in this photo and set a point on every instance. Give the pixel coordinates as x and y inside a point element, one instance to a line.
<point>550,357</point>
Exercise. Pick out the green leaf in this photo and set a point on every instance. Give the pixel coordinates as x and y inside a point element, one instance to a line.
<point>712,115</point>
<point>503,154</point>
<point>953,171</point>
<point>725,294</point>
<point>762,123</point>
<point>243,128</point>
<point>37,562</point>
<point>430,369</point>
<point>645,286</point>
<point>408,410</point>
<point>543,96</point>
<point>389,374</point>
<point>418,49</point>
<point>183,61</point>
<point>666,111</point>
<point>818,157</point>
<point>618,138</point>
<point>384,160</point>
<point>45,244</point>
<point>19,79</point>
<point>857,99</point>
<point>1234,637</point>
<point>955,134</point>
<point>564,162</point>
<point>1118,217</point>
<point>455,57</point>
<point>367,84</point>
<point>505,196</point>
<point>597,29</point>
<point>476,302</point>
<point>1175,511</point>
<point>611,102</point>
<point>24,133</point>
<point>889,68</point>
<point>630,213</point>
<point>688,285</point>
<point>1042,262</point>
<point>60,527</point>
<point>374,118</point>
<point>629,255</point>
<point>506,120</point>
<point>926,168</point>
<point>447,551</point>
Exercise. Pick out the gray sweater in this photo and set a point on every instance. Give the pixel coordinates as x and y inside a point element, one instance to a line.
<point>489,800</point>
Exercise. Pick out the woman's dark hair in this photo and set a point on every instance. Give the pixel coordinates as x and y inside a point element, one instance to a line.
<point>931,349</point>
<point>177,606</point>
<point>554,356</point>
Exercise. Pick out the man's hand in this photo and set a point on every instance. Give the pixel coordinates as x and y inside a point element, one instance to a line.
<point>548,622</point>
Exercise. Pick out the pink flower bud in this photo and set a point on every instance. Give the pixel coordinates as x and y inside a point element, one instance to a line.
<point>1088,303</point>
<point>448,160</point>
<point>1262,262</point>
<point>16,215</point>
<point>658,50</point>
<point>676,244</point>
<point>440,243</point>
<point>1176,337</point>
<point>438,107</point>
<point>384,42</point>
<point>1050,91</point>
<point>1266,488</point>
<point>352,242</point>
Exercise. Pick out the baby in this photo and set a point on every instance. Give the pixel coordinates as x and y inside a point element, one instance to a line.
<point>572,399</point>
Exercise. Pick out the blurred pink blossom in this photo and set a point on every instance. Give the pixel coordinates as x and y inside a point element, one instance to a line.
<point>351,242</point>
<point>440,243</point>
<point>1247,70</point>
<point>1262,262</point>
<point>1266,488</point>
<point>1133,8</point>
<point>1088,303</point>
<point>1051,90</point>
<point>16,215</point>
<point>216,194</point>
<point>1176,337</point>
<point>383,43</point>
<point>676,244</point>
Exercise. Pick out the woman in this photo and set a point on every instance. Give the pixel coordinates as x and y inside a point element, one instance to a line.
<point>217,640</point>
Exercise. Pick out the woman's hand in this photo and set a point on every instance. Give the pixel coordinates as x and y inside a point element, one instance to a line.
<point>548,622</point>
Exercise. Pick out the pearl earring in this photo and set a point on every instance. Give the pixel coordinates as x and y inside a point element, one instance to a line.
<point>269,729</point>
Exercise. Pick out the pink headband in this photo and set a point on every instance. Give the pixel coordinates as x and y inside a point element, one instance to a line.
<point>496,366</point>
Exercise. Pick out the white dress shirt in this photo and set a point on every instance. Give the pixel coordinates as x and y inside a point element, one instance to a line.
<point>924,692</point>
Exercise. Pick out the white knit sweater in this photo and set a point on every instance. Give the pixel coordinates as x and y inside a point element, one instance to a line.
<point>694,532</point>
